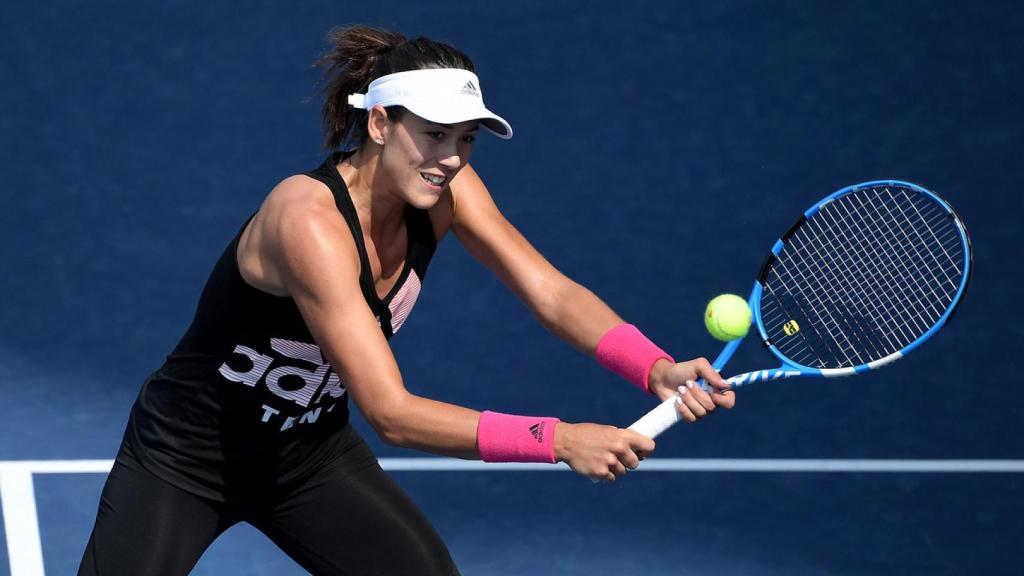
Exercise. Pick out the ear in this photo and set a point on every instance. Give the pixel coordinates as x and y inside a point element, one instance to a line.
<point>377,124</point>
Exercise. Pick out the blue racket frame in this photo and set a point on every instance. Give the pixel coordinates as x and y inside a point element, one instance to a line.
<point>665,415</point>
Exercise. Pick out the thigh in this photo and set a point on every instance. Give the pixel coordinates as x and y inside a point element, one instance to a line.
<point>354,523</point>
<point>147,526</point>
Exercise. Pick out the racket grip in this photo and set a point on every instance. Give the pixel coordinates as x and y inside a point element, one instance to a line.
<point>661,418</point>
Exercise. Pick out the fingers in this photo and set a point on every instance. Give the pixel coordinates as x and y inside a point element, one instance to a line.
<point>694,403</point>
<point>683,407</point>
<point>616,467</point>
<point>626,453</point>
<point>622,453</point>
<point>722,394</point>
<point>688,407</point>
<point>639,443</point>
<point>629,459</point>
<point>613,468</point>
<point>725,399</point>
<point>706,371</point>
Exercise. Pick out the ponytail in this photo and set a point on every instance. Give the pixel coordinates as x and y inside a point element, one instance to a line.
<point>348,68</point>
<point>360,55</point>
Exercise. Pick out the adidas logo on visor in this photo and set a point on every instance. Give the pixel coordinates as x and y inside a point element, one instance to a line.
<point>470,90</point>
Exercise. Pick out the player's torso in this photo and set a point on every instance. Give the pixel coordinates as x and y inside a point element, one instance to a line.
<point>247,388</point>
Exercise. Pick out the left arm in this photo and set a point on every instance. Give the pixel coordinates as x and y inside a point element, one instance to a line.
<point>563,307</point>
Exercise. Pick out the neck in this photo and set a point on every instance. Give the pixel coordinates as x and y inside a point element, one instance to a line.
<point>380,210</point>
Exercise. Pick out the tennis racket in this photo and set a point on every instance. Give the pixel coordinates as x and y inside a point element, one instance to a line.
<point>861,279</point>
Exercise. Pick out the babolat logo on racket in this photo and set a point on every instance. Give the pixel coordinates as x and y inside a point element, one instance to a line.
<point>791,328</point>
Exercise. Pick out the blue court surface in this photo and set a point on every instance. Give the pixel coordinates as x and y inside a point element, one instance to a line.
<point>660,148</point>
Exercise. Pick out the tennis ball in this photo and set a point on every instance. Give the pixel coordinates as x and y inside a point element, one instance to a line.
<point>727,317</point>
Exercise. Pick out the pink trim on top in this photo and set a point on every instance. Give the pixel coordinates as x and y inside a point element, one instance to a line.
<point>401,305</point>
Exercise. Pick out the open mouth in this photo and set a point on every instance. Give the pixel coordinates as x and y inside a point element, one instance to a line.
<point>433,179</point>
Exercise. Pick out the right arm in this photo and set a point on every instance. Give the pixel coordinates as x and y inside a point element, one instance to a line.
<point>304,250</point>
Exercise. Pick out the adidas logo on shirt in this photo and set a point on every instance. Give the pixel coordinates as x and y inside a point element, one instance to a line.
<point>470,90</point>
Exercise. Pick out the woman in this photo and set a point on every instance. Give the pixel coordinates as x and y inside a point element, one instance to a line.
<point>248,418</point>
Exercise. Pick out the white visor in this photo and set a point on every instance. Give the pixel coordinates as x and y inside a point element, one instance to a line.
<point>440,95</point>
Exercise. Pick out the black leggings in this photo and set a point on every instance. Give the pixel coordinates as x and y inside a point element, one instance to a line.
<point>336,522</point>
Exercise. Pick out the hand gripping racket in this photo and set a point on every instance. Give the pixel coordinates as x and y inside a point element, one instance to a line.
<point>860,280</point>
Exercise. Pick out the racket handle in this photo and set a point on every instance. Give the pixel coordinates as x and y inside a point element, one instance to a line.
<point>663,416</point>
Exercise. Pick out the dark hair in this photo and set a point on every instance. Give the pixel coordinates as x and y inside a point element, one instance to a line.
<point>360,55</point>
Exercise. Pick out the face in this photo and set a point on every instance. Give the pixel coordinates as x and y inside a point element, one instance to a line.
<point>420,157</point>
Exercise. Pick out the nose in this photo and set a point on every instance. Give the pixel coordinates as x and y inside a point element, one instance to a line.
<point>451,155</point>
<point>450,159</point>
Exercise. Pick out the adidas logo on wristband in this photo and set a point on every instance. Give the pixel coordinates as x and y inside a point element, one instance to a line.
<point>538,432</point>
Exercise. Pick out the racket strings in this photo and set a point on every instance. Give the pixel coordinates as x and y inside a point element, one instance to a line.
<point>868,274</point>
<point>874,233</point>
<point>936,220</point>
<point>824,327</point>
<point>906,262</point>
<point>933,269</point>
<point>903,265</point>
<point>896,293</point>
<point>820,308</point>
<point>820,279</point>
<point>905,305</point>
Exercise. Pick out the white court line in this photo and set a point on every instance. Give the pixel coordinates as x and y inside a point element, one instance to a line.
<point>729,465</point>
<point>60,466</point>
<point>21,524</point>
<point>826,465</point>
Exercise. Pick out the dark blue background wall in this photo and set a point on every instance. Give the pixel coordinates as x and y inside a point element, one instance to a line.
<point>659,149</point>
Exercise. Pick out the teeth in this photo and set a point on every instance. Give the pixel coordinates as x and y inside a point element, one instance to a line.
<point>435,180</point>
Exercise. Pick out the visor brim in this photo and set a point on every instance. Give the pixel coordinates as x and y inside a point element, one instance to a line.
<point>447,113</point>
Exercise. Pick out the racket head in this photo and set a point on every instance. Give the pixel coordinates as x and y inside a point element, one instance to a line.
<point>862,278</point>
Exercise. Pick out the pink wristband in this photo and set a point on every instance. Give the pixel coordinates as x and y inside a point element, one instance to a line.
<point>628,353</point>
<point>507,438</point>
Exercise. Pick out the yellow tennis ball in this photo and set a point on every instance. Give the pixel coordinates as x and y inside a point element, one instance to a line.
<point>727,317</point>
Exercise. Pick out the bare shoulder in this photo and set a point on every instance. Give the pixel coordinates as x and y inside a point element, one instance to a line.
<point>467,182</point>
<point>297,224</point>
<point>298,193</point>
<point>472,201</point>
<point>443,215</point>
<point>469,195</point>
<point>300,214</point>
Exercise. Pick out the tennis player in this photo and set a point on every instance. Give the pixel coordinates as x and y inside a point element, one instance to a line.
<point>248,418</point>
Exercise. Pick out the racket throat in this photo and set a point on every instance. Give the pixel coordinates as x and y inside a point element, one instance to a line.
<point>762,376</point>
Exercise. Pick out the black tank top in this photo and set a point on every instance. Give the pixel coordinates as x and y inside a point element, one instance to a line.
<point>247,398</point>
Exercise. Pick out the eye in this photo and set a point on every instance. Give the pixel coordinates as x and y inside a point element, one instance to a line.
<point>436,135</point>
<point>469,138</point>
